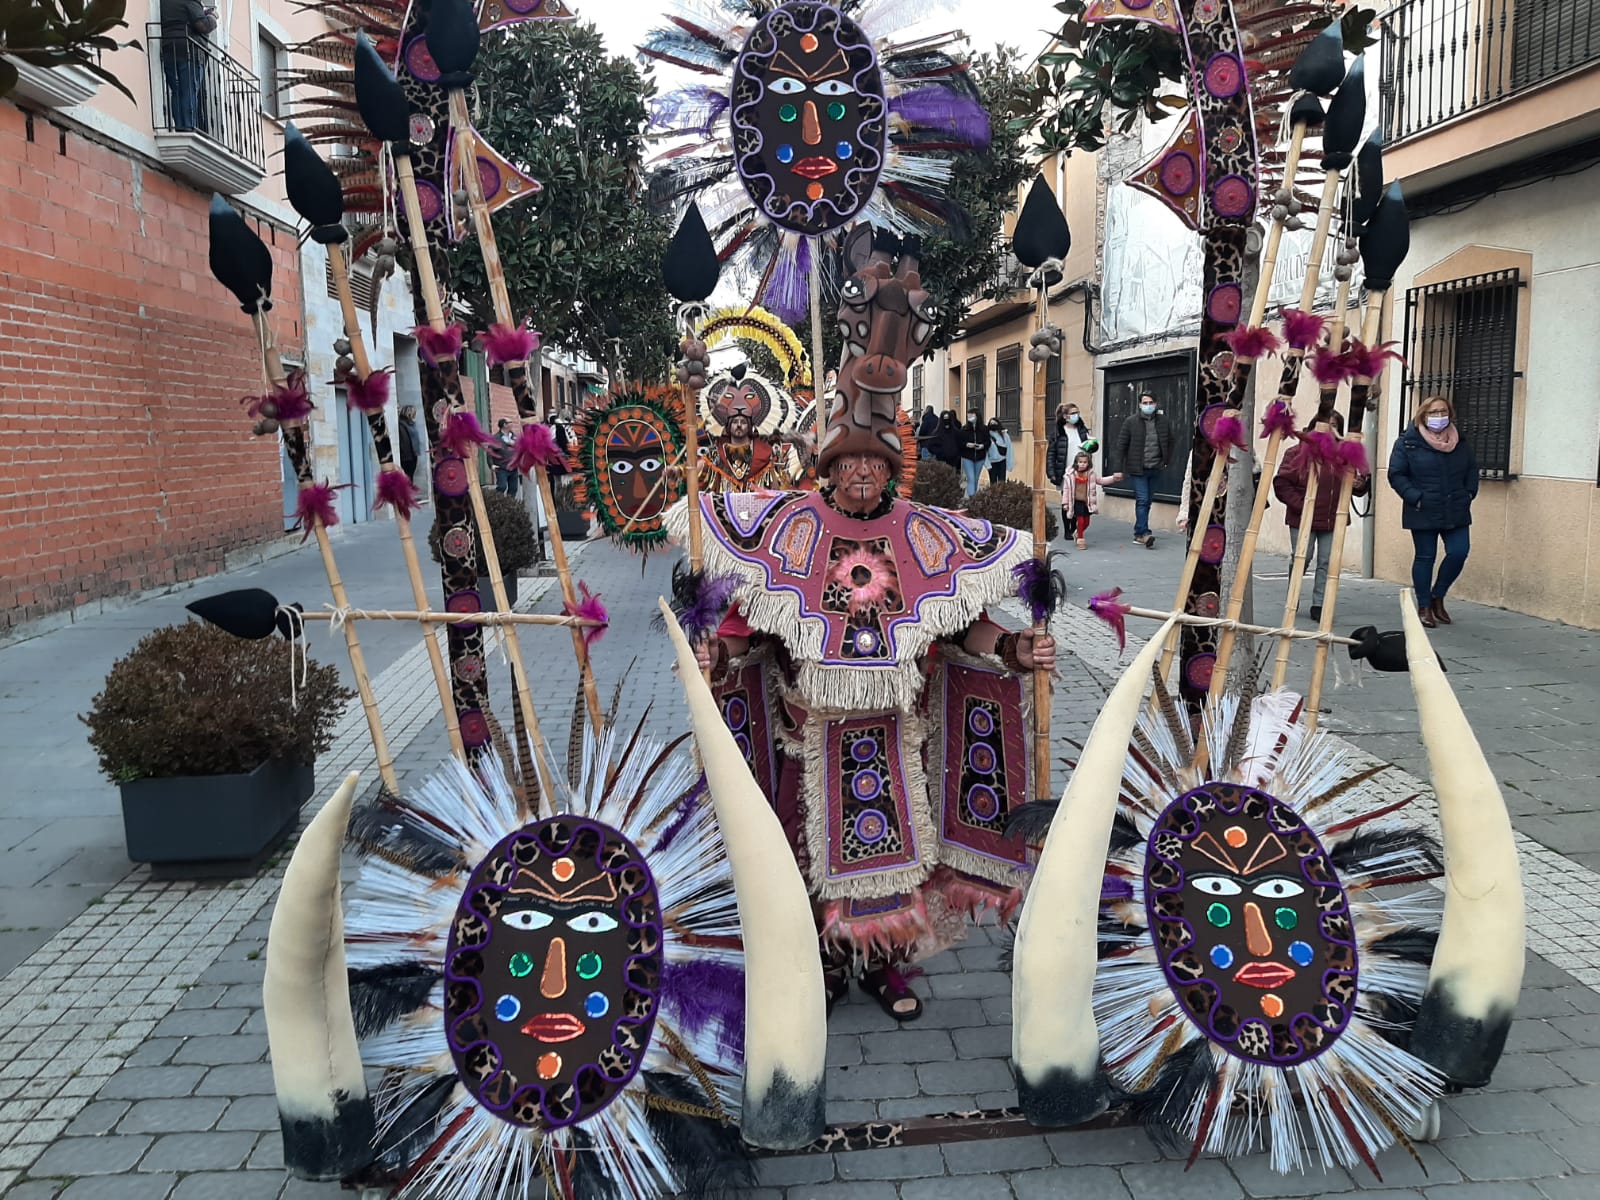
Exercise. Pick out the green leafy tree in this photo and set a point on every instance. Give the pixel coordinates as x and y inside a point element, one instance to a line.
<point>581,257</point>
<point>761,359</point>
<point>60,33</point>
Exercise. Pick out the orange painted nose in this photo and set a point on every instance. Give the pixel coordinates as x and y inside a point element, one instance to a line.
<point>810,126</point>
<point>553,982</point>
<point>1256,936</point>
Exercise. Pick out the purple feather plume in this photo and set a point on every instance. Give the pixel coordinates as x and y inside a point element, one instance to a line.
<point>686,805</point>
<point>1330,368</point>
<point>702,991</point>
<point>701,600</point>
<point>287,401</point>
<point>315,506</point>
<point>1252,341</point>
<point>786,296</point>
<point>1225,432</point>
<point>1302,329</point>
<point>1115,887</point>
<point>370,394</point>
<point>1113,612</point>
<point>941,110</point>
<point>1279,420</point>
<point>396,490</point>
<point>435,345</point>
<point>536,447</point>
<point>1351,456</point>
<point>462,434</point>
<point>1040,588</point>
<point>589,607</point>
<point>508,343</point>
<point>1367,362</point>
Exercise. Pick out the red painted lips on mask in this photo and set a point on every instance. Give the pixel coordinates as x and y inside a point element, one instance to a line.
<point>554,1027</point>
<point>1264,975</point>
<point>815,168</point>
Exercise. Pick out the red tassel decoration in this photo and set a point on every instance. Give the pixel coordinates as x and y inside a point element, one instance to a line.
<point>436,345</point>
<point>1115,614</point>
<point>315,507</point>
<point>1279,420</point>
<point>1225,432</point>
<point>288,401</point>
<point>462,434</point>
<point>370,394</point>
<point>396,490</point>
<point>536,447</point>
<point>1253,341</point>
<point>1302,330</point>
<point>506,343</point>
<point>590,608</point>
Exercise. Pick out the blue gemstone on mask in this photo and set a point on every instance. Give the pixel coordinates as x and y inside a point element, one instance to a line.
<point>785,153</point>
<point>1301,953</point>
<point>507,1007</point>
<point>1221,957</point>
<point>596,1005</point>
<point>843,150</point>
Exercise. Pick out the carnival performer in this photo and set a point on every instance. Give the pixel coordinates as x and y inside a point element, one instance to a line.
<point>857,650</point>
<point>749,422</point>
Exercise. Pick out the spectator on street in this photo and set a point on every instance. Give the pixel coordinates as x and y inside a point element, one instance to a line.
<point>506,479</point>
<point>1289,486</point>
<point>1000,458</point>
<point>927,430</point>
<point>1144,450</point>
<point>1435,473</point>
<point>947,442</point>
<point>1080,496</point>
<point>975,443</point>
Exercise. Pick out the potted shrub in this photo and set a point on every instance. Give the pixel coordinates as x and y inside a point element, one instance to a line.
<point>197,728</point>
<point>514,541</point>
<point>570,519</point>
<point>1010,503</point>
<point>937,484</point>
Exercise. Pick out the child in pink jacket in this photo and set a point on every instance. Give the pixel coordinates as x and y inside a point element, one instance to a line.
<point>1080,493</point>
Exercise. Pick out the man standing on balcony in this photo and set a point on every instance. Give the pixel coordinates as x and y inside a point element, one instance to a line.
<point>184,26</point>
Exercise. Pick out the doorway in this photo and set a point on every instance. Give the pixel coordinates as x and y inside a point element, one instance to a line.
<point>1171,380</point>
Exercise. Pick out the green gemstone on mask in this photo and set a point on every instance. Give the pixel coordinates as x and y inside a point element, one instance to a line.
<point>836,110</point>
<point>588,965</point>
<point>1219,916</point>
<point>521,965</point>
<point>1286,918</point>
<point>788,112</point>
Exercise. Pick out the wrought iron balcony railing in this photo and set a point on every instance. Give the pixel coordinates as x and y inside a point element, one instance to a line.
<point>196,88</point>
<point>1443,58</point>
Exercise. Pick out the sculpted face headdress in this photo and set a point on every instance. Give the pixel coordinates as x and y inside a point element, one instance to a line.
<point>628,463</point>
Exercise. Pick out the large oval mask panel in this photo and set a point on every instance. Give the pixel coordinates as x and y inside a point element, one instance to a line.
<point>552,972</point>
<point>1251,924</point>
<point>809,117</point>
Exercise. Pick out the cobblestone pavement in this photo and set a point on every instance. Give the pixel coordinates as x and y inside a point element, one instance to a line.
<point>133,1049</point>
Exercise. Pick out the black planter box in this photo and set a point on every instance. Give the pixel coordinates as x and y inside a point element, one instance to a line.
<point>213,826</point>
<point>486,591</point>
<point>574,525</point>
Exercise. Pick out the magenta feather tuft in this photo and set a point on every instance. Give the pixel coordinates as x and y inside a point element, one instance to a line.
<point>462,434</point>
<point>505,343</point>
<point>436,345</point>
<point>1368,361</point>
<point>536,447</point>
<point>1113,612</point>
<point>1351,456</point>
<point>1321,449</point>
<point>1253,341</point>
<point>395,490</point>
<point>315,506</point>
<point>1330,368</point>
<point>1302,330</point>
<point>590,608</point>
<point>1225,432</point>
<point>1279,420</point>
<point>286,402</point>
<point>370,394</point>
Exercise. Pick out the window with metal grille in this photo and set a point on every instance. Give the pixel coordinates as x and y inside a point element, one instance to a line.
<point>1461,342</point>
<point>1551,36</point>
<point>916,389</point>
<point>1008,388</point>
<point>270,61</point>
<point>1052,387</point>
<point>977,385</point>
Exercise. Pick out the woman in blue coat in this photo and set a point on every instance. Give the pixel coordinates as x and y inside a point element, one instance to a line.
<point>1434,472</point>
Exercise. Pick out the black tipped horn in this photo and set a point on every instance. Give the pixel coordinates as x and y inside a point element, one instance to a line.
<point>1307,111</point>
<point>1320,66</point>
<point>1386,240</point>
<point>1369,179</point>
<point>313,188</point>
<point>1347,112</point>
<point>1382,651</point>
<point>239,258</point>
<point>380,98</point>
<point>453,40</point>
<point>690,267</point>
<point>1041,231</point>
<point>245,613</point>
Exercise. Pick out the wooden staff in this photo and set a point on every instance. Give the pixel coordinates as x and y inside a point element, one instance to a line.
<point>432,617</point>
<point>1197,538</point>
<point>1041,541</point>
<point>408,546</point>
<point>467,162</point>
<point>1300,635</point>
<point>294,434</point>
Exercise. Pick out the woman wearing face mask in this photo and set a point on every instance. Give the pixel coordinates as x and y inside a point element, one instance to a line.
<point>1000,456</point>
<point>1434,472</point>
<point>975,443</point>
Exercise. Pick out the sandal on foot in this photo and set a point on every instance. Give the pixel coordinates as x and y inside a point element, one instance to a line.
<point>890,988</point>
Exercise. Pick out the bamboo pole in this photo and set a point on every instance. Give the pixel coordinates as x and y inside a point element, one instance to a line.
<point>408,547</point>
<point>1041,546</point>
<point>1269,253</point>
<point>434,617</point>
<point>1197,538</point>
<point>1299,635</point>
<point>472,181</point>
<point>358,662</point>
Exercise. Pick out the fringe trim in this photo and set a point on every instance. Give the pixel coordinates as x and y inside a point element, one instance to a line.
<point>869,885</point>
<point>894,936</point>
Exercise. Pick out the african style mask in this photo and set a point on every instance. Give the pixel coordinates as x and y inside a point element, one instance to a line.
<point>552,972</point>
<point>809,117</point>
<point>625,448</point>
<point>1251,924</point>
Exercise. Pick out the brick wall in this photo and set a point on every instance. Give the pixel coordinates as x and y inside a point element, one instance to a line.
<point>125,459</point>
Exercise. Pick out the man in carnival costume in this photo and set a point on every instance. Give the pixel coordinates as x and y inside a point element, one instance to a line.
<point>857,650</point>
<point>747,417</point>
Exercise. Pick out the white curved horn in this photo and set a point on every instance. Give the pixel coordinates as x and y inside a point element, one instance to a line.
<point>1477,966</point>
<point>785,1012</point>
<point>323,1106</point>
<point>1055,1043</point>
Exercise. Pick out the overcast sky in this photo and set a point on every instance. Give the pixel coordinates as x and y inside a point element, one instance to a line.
<point>1019,23</point>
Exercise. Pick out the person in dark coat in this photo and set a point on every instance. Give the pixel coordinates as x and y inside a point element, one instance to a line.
<point>1289,485</point>
<point>975,445</point>
<point>947,442</point>
<point>927,430</point>
<point>1435,473</point>
<point>1066,439</point>
<point>410,443</point>
<point>1144,449</point>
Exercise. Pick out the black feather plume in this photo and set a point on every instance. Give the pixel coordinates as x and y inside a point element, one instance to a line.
<point>1166,1104</point>
<point>588,1180</point>
<point>708,1157</point>
<point>1411,944</point>
<point>400,1145</point>
<point>391,831</point>
<point>1031,821</point>
<point>379,996</point>
<point>1039,586</point>
<point>1418,845</point>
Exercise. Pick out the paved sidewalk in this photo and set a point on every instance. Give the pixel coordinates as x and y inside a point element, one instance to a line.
<point>133,1052</point>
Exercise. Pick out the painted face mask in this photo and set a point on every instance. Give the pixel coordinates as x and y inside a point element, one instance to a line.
<point>552,972</point>
<point>1251,924</point>
<point>808,117</point>
<point>624,449</point>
